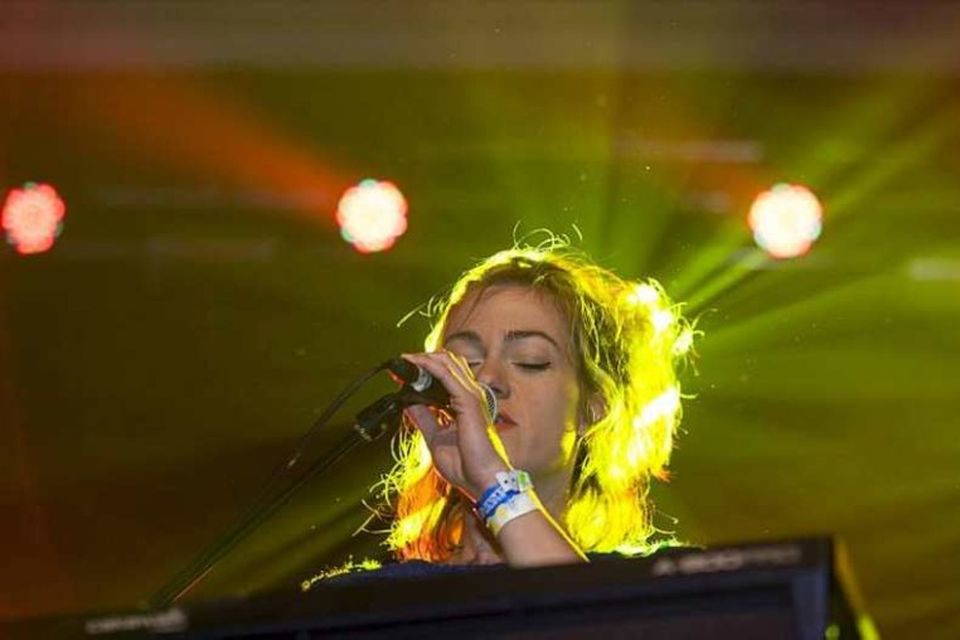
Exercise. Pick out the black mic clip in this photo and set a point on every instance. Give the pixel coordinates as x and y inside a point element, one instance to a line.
<point>386,413</point>
<point>378,418</point>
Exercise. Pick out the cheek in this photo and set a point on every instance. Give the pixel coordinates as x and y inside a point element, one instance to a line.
<point>555,437</point>
<point>555,405</point>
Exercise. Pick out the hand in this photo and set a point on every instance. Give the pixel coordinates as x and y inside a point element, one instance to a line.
<point>465,447</point>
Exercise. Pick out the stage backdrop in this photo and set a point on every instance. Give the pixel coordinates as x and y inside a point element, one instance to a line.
<point>200,307</point>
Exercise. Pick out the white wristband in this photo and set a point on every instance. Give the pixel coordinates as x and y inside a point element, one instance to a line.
<point>518,505</point>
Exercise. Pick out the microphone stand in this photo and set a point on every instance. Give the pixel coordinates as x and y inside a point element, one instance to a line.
<point>371,423</point>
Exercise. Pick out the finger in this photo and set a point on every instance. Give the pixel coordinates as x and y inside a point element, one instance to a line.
<point>461,369</point>
<point>461,363</point>
<point>466,393</point>
<point>470,380</point>
<point>462,372</point>
<point>442,368</point>
<point>424,420</point>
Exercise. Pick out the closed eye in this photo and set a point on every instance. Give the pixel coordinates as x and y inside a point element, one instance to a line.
<point>533,366</point>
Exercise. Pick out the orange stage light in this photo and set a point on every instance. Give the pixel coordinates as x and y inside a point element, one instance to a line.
<point>33,217</point>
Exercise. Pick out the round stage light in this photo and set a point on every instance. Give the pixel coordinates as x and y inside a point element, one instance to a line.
<point>33,217</point>
<point>372,215</point>
<point>786,220</point>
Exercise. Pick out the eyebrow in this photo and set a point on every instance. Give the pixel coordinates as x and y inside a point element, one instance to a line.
<point>512,336</point>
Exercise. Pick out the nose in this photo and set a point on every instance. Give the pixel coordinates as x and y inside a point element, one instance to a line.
<point>491,373</point>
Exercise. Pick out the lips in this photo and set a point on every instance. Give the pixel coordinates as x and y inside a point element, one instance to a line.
<point>504,421</point>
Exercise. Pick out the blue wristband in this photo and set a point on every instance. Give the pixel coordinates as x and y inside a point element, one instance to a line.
<point>506,497</point>
<point>486,496</point>
<point>509,484</point>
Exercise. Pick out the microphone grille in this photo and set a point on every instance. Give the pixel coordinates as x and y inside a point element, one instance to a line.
<point>491,399</point>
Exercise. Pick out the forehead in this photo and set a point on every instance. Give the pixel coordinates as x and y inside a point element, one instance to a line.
<point>504,308</point>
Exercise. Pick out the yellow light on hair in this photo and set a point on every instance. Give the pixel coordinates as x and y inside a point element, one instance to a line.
<point>423,457</point>
<point>665,404</point>
<point>410,527</point>
<point>643,293</point>
<point>661,320</point>
<point>683,343</point>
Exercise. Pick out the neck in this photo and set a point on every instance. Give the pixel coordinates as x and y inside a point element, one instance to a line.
<point>553,492</point>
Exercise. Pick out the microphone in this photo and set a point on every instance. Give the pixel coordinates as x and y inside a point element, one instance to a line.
<point>430,391</point>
